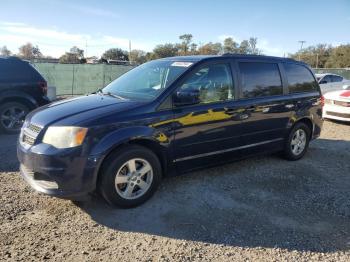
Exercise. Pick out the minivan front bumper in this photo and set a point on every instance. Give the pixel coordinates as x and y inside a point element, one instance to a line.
<point>60,173</point>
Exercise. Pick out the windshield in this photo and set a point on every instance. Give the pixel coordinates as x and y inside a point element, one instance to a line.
<point>147,81</point>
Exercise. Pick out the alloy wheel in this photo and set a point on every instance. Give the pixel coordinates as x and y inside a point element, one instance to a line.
<point>134,178</point>
<point>298,142</point>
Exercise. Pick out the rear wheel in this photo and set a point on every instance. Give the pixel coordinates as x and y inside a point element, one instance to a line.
<point>130,176</point>
<point>12,115</point>
<point>297,142</point>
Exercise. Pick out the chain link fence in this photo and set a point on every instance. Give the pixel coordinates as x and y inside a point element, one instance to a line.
<point>78,79</point>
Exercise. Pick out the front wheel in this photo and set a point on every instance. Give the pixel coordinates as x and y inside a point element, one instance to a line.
<point>130,176</point>
<point>297,142</point>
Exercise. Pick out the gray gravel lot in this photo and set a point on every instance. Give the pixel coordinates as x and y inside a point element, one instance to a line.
<point>263,208</point>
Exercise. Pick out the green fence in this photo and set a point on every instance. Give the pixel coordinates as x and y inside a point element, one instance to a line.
<point>76,79</point>
<point>344,72</point>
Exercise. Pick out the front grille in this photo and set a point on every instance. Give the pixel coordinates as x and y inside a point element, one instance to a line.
<point>29,134</point>
<point>28,139</point>
<point>338,114</point>
<point>34,128</point>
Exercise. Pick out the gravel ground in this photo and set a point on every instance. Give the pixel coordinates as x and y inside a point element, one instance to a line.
<point>262,208</point>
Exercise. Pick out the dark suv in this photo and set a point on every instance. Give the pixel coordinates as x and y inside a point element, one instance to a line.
<point>166,117</point>
<point>22,89</point>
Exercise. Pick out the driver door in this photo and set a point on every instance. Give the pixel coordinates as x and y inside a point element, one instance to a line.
<point>205,130</point>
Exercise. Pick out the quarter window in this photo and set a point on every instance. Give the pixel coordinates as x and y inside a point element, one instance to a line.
<point>214,83</point>
<point>260,79</point>
<point>299,78</point>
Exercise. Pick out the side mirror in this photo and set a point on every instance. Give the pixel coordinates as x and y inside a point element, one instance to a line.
<point>186,97</point>
<point>323,82</point>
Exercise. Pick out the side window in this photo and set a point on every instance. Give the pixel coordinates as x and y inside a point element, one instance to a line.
<point>336,78</point>
<point>326,80</point>
<point>300,79</point>
<point>213,82</point>
<point>260,79</point>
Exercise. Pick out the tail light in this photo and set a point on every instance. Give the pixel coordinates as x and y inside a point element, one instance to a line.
<point>43,86</point>
<point>322,101</point>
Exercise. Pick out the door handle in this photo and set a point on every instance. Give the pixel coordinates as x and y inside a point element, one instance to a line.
<point>230,111</point>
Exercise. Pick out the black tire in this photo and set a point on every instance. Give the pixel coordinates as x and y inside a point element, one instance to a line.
<point>4,123</point>
<point>116,161</point>
<point>288,152</point>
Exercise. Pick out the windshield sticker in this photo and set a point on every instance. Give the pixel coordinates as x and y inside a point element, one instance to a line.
<point>182,64</point>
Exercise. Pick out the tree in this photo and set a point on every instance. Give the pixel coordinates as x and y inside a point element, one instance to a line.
<point>339,57</point>
<point>230,46</point>
<point>137,56</point>
<point>116,54</point>
<point>166,50</point>
<point>76,51</point>
<point>186,40</point>
<point>28,51</point>
<point>69,58</point>
<point>193,49</point>
<point>244,47</point>
<point>210,49</point>
<point>74,56</point>
<point>4,51</point>
<point>316,56</point>
<point>253,41</point>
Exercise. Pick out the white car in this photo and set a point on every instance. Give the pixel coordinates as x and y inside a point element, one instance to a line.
<point>332,82</point>
<point>337,105</point>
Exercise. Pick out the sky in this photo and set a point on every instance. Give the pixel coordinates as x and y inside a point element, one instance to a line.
<point>95,26</point>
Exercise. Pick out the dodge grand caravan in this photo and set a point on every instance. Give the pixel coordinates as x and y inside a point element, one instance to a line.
<point>166,117</point>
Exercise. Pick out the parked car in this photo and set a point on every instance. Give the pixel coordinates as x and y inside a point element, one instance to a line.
<point>337,105</point>
<point>332,82</point>
<point>22,89</point>
<point>167,117</point>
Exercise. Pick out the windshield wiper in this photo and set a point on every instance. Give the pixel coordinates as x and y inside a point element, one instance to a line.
<point>111,94</point>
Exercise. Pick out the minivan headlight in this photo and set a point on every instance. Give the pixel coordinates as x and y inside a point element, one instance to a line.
<point>65,136</point>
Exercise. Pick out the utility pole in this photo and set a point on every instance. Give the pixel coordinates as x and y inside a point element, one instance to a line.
<point>130,51</point>
<point>316,60</point>
<point>301,46</point>
<point>86,45</point>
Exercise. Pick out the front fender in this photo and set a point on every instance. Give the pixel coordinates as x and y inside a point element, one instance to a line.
<point>124,135</point>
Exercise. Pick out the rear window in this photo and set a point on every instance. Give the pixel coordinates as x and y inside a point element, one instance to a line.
<point>260,79</point>
<point>13,71</point>
<point>300,79</point>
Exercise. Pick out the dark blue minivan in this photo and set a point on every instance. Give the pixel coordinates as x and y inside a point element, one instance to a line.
<point>166,117</point>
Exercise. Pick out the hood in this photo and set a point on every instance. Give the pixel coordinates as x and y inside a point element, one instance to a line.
<point>75,110</point>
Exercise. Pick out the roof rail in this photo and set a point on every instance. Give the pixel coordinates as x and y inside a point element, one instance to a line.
<point>10,57</point>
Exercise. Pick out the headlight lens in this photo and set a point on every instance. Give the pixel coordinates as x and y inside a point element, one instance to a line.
<point>65,136</point>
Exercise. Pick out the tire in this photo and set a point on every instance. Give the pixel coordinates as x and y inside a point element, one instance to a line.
<point>291,151</point>
<point>12,115</point>
<point>123,188</point>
